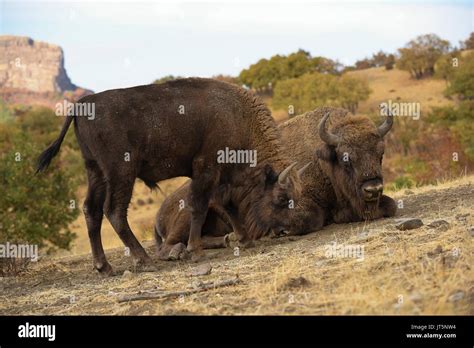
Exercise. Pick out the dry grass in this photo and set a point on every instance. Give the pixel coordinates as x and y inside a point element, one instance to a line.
<point>398,85</point>
<point>422,271</point>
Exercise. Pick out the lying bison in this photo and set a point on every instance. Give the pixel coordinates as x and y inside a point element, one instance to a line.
<point>343,183</point>
<point>179,128</point>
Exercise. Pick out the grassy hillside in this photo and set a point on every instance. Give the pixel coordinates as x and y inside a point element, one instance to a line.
<point>398,86</point>
<point>427,270</point>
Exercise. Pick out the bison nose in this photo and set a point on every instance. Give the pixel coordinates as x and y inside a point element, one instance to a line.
<point>372,191</point>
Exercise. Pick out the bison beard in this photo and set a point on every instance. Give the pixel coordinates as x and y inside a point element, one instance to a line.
<point>332,191</point>
<point>157,132</point>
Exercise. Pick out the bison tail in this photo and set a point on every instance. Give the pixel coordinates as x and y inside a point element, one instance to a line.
<point>47,155</point>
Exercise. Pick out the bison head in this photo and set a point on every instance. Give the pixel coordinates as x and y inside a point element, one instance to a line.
<point>274,200</point>
<point>351,156</point>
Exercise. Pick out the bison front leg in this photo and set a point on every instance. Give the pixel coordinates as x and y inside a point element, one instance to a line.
<point>387,206</point>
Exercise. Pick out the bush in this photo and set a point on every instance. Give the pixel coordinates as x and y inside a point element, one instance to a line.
<point>314,90</point>
<point>34,209</point>
<point>459,121</point>
<point>267,73</point>
<point>462,78</point>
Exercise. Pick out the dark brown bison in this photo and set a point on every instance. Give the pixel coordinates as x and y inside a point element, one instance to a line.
<point>343,182</point>
<point>180,128</point>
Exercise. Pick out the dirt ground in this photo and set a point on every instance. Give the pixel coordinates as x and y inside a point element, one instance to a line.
<point>427,270</point>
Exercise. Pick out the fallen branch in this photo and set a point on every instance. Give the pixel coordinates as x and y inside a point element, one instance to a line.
<point>167,294</point>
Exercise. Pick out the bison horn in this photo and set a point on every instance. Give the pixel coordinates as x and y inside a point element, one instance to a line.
<point>386,126</point>
<point>284,174</point>
<point>328,138</point>
<point>302,169</point>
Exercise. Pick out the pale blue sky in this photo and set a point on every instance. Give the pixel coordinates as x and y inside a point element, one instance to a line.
<point>110,44</point>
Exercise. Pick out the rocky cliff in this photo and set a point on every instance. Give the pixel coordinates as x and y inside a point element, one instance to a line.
<point>33,68</point>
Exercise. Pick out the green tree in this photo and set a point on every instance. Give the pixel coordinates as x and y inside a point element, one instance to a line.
<point>446,65</point>
<point>351,91</point>
<point>419,56</point>
<point>468,44</point>
<point>267,73</point>
<point>389,62</point>
<point>313,90</point>
<point>462,78</point>
<point>35,209</point>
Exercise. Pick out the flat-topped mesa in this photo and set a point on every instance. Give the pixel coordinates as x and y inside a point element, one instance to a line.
<point>33,66</point>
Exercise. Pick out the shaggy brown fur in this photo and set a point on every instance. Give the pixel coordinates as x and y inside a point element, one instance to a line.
<point>336,179</point>
<point>331,186</point>
<point>156,132</point>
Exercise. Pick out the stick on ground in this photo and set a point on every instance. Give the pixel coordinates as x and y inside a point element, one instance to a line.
<point>167,294</point>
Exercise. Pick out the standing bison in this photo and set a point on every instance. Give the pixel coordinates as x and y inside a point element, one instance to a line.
<point>343,182</point>
<point>180,128</point>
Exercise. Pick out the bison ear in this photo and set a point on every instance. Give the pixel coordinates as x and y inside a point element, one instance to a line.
<point>326,153</point>
<point>271,177</point>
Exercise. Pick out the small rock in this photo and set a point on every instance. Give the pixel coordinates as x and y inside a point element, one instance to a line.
<point>296,282</point>
<point>409,192</point>
<point>201,270</point>
<point>127,274</point>
<point>140,202</point>
<point>462,217</point>
<point>438,250</point>
<point>471,231</point>
<point>456,296</point>
<point>408,224</point>
<point>439,224</point>
<point>150,200</point>
<point>195,284</point>
<point>415,297</point>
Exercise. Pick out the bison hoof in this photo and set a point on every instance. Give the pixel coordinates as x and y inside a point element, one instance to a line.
<point>144,265</point>
<point>198,255</point>
<point>177,252</point>
<point>105,270</point>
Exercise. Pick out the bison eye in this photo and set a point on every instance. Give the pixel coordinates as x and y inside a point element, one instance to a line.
<point>283,201</point>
